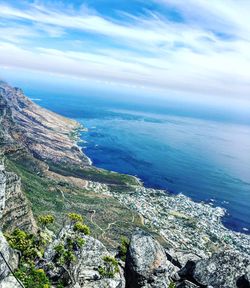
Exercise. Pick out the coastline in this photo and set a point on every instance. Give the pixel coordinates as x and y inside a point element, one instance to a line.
<point>188,220</point>
<point>103,147</point>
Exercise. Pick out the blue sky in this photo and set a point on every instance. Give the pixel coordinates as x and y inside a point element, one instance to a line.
<point>196,46</point>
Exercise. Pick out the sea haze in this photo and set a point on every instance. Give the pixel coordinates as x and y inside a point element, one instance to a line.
<point>202,151</point>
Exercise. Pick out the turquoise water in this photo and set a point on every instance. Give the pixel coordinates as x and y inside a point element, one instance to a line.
<point>200,151</point>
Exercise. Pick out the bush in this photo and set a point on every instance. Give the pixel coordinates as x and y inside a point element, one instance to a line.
<point>80,242</point>
<point>32,277</point>
<point>29,245</point>
<point>44,220</point>
<point>65,252</point>
<point>74,217</point>
<point>82,228</point>
<point>171,285</point>
<point>123,248</point>
<point>110,267</point>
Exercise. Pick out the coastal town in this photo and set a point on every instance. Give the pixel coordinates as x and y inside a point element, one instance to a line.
<point>184,224</point>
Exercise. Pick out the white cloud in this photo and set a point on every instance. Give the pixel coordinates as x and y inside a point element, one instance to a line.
<point>152,50</point>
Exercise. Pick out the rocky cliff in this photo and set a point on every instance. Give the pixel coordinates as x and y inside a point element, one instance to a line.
<point>44,133</point>
<point>17,211</point>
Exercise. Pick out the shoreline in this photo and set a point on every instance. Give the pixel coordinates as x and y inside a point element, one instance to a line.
<point>244,230</point>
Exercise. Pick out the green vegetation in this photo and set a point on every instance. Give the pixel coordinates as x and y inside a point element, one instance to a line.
<point>64,253</point>
<point>45,220</point>
<point>93,174</point>
<point>171,285</point>
<point>31,248</point>
<point>57,196</point>
<point>74,217</point>
<point>80,227</point>
<point>123,248</point>
<point>32,277</point>
<point>110,267</point>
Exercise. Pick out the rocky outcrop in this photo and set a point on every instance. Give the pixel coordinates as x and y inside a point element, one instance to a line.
<point>147,264</point>
<point>46,134</point>
<point>225,269</point>
<point>14,207</point>
<point>84,271</point>
<point>17,211</point>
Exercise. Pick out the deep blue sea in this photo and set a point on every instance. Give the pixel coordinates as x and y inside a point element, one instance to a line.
<point>202,151</point>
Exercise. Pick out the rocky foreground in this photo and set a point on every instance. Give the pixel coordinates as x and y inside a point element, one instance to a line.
<point>185,245</point>
<point>147,265</point>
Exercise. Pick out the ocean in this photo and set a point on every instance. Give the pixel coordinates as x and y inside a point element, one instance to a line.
<point>202,151</point>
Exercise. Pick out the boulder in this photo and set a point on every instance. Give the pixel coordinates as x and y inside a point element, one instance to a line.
<point>183,257</point>
<point>224,269</point>
<point>84,271</point>
<point>146,263</point>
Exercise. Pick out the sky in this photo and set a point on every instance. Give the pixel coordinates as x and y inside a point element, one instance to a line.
<point>196,46</point>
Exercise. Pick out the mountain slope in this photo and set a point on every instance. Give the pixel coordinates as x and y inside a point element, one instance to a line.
<point>40,147</point>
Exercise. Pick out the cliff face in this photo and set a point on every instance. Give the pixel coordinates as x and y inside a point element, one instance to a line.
<point>44,133</point>
<point>2,188</point>
<point>15,209</point>
<point>27,129</point>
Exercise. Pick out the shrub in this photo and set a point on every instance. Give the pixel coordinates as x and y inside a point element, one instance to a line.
<point>171,285</point>
<point>19,240</point>
<point>32,277</point>
<point>110,267</point>
<point>82,228</point>
<point>45,220</point>
<point>123,248</point>
<point>29,245</point>
<point>74,217</point>
<point>80,242</point>
<point>65,252</point>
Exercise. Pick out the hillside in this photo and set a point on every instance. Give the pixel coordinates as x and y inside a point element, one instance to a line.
<point>40,147</point>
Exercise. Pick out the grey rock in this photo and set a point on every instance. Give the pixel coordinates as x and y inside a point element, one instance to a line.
<point>9,255</point>
<point>102,283</point>
<point>15,210</point>
<point>9,282</point>
<point>84,272</point>
<point>225,269</point>
<point>244,281</point>
<point>147,264</point>
<point>2,187</point>
<point>184,257</point>
<point>186,284</point>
